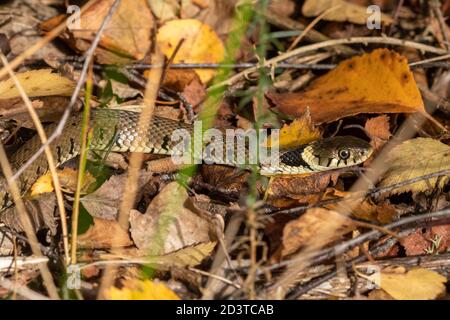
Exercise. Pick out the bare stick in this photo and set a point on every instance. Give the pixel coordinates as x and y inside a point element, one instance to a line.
<point>151,93</point>
<point>365,40</point>
<point>88,56</point>
<point>48,154</point>
<point>41,43</point>
<point>26,224</point>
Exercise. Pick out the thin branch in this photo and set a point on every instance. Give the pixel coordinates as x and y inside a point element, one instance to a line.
<point>48,153</point>
<point>135,162</point>
<point>313,47</point>
<point>26,224</point>
<point>361,195</point>
<point>88,56</point>
<point>41,43</point>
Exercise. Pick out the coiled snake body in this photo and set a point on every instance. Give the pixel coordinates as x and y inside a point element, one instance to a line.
<point>117,130</point>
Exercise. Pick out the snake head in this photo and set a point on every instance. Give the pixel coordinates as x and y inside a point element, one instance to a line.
<point>337,152</point>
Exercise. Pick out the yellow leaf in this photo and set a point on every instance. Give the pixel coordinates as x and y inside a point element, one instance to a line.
<point>201,44</point>
<point>37,83</point>
<point>378,82</point>
<point>416,284</point>
<point>143,290</point>
<point>67,178</point>
<point>415,158</point>
<point>42,185</point>
<point>298,132</point>
<point>346,11</point>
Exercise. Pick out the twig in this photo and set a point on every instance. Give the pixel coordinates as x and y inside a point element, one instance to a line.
<point>41,43</point>
<point>311,25</point>
<point>313,35</point>
<point>339,249</point>
<point>436,8</point>
<point>22,290</point>
<point>82,165</point>
<point>383,247</point>
<point>145,118</point>
<point>204,273</point>
<point>365,40</point>
<point>26,223</point>
<point>361,195</point>
<point>88,56</point>
<point>48,153</point>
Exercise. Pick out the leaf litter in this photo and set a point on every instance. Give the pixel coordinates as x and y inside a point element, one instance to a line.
<point>179,223</point>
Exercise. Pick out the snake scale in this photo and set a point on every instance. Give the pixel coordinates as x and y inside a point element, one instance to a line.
<point>117,130</point>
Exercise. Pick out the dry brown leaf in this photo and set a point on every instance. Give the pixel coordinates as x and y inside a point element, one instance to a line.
<point>105,201</point>
<point>346,12</point>
<point>167,225</point>
<point>415,158</point>
<point>314,222</point>
<point>127,35</point>
<point>142,290</point>
<point>379,82</point>
<point>366,209</point>
<point>103,234</point>
<point>303,189</point>
<point>201,44</point>
<point>416,284</point>
<point>37,83</point>
<point>378,130</point>
<point>178,79</point>
<point>431,240</point>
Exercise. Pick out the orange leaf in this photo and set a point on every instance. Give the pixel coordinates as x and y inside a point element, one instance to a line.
<point>300,131</point>
<point>379,82</point>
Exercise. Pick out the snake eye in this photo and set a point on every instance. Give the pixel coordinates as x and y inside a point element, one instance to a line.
<point>344,154</point>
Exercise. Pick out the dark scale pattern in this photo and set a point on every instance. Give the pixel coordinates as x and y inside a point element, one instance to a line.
<point>294,158</point>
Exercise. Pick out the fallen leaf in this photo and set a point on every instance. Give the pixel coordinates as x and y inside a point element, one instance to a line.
<point>314,222</point>
<point>178,79</point>
<point>378,130</point>
<point>303,189</point>
<point>127,36</point>
<point>164,9</point>
<point>415,158</point>
<point>349,89</point>
<point>363,209</point>
<point>105,201</point>
<point>298,132</point>
<point>283,8</point>
<point>103,234</point>
<point>37,83</point>
<point>142,290</point>
<point>346,12</point>
<point>67,178</point>
<point>41,212</point>
<point>201,44</point>
<point>167,225</point>
<point>416,284</point>
<point>194,93</point>
<point>431,240</point>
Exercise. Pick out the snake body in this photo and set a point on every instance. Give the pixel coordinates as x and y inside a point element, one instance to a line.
<point>118,131</point>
